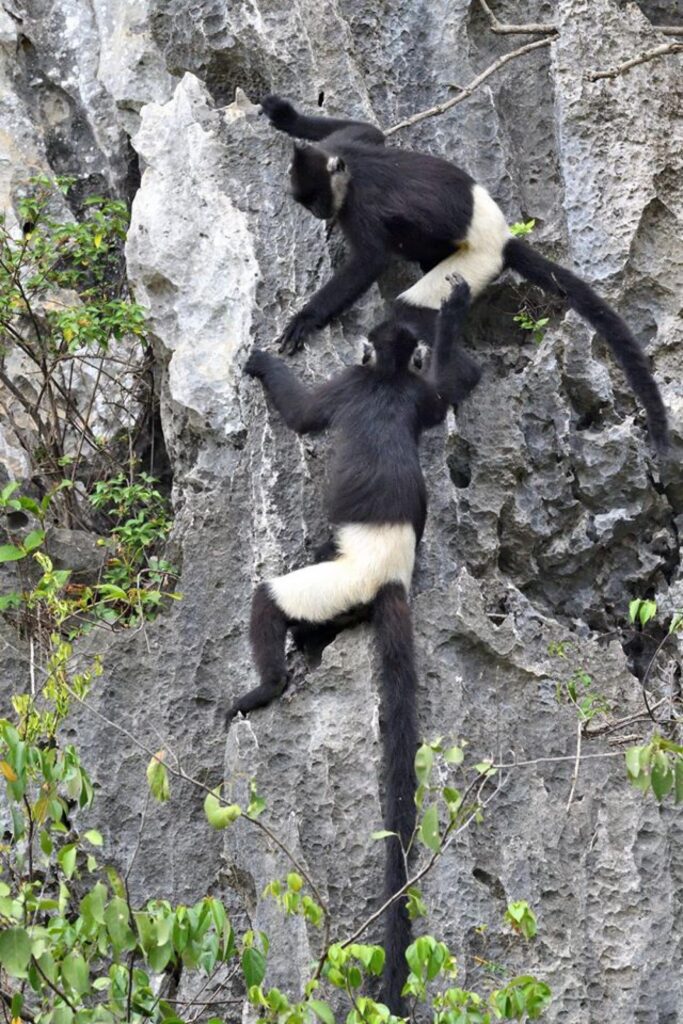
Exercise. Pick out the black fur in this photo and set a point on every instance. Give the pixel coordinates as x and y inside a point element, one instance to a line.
<point>559,281</point>
<point>420,207</point>
<point>378,412</point>
<point>267,633</point>
<point>398,680</point>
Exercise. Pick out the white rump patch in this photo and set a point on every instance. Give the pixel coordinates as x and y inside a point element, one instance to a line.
<point>370,555</point>
<point>478,260</point>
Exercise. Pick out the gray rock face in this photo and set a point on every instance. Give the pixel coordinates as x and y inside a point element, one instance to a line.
<point>547,512</point>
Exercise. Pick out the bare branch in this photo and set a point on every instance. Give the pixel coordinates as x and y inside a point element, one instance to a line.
<point>669,30</point>
<point>532,29</point>
<point>441,108</point>
<point>577,763</point>
<point>641,58</point>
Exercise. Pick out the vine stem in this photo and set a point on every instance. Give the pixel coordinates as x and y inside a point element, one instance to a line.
<point>532,29</point>
<point>441,108</point>
<point>641,58</point>
<point>577,762</point>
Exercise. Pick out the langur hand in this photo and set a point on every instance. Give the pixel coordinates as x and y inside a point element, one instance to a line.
<point>297,330</point>
<point>460,294</point>
<point>257,363</point>
<point>280,113</point>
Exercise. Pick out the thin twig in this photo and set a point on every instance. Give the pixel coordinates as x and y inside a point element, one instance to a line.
<point>641,58</point>
<point>139,838</point>
<point>441,108</point>
<point>199,1002</point>
<point>577,763</point>
<point>608,727</point>
<point>646,677</point>
<point>57,991</point>
<point>552,760</point>
<point>428,866</point>
<point>532,29</point>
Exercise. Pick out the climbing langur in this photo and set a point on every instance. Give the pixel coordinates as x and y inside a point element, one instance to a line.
<point>377,503</point>
<point>425,209</point>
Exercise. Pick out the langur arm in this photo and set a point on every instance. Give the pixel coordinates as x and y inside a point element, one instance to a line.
<point>286,118</point>
<point>341,291</point>
<point>453,373</point>
<point>302,410</point>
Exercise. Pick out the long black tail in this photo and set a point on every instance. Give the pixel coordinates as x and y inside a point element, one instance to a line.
<point>559,281</point>
<point>394,637</point>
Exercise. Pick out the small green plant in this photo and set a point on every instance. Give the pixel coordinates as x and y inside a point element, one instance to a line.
<point>578,690</point>
<point>135,580</point>
<point>657,766</point>
<point>522,228</point>
<point>640,610</point>
<point>63,300</point>
<point>536,326</point>
<point>522,919</point>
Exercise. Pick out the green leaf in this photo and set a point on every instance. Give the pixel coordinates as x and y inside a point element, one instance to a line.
<point>67,859</point>
<point>661,776</point>
<point>647,611</point>
<point>429,828</point>
<point>75,973</point>
<point>383,834</point>
<point>633,762</point>
<point>8,490</point>
<point>117,920</point>
<point>15,951</point>
<point>157,777</point>
<point>423,763</point>
<point>322,1011</point>
<point>94,837</point>
<point>10,553</point>
<point>253,966</point>
<point>92,905</point>
<point>33,540</point>
<point>522,228</point>
<point>633,607</point>
<point>62,1014</point>
<point>218,815</point>
<point>678,775</point>
<point>256,803</point>
<point>454,755</point>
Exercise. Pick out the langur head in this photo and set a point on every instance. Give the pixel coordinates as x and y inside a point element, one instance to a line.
<point>318,181</point>
<point>394,345</point>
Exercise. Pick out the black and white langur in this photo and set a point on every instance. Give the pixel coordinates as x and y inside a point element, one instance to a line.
<point>425,209</point>
<point>377,503</point>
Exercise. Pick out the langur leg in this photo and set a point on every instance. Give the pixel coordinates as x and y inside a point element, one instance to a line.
<point>267,632</point>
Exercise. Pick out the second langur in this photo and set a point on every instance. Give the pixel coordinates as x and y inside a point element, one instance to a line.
<point>377,503</point>
<point>425,209</point>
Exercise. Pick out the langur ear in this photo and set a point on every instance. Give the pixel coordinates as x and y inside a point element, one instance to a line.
<point>335,165</point>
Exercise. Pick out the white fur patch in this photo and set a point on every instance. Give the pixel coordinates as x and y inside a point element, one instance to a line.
<point>370,555</point>
<point>478,261</point>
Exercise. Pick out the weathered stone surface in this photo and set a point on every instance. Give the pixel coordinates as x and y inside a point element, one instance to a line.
<point>547,511</point>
